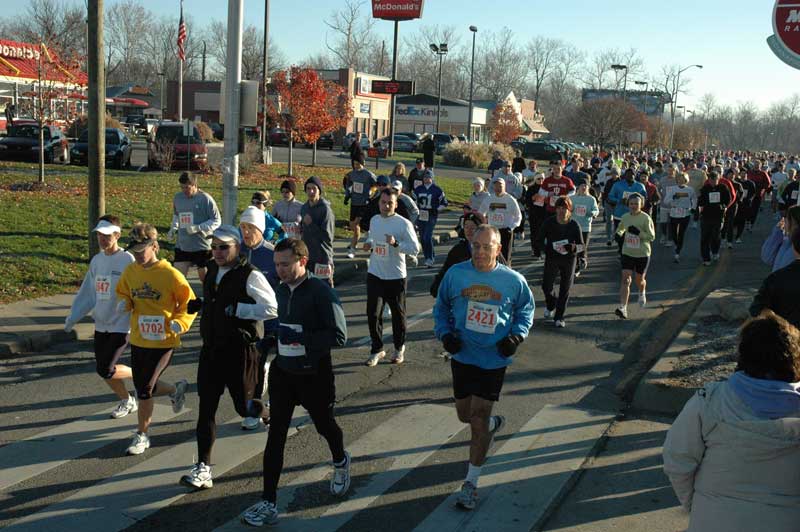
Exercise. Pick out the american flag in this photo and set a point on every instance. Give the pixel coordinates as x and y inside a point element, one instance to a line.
<point>181,37</point>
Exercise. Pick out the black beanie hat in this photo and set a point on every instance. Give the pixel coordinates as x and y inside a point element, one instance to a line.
<point>314,180</point>
<point>290,184</point>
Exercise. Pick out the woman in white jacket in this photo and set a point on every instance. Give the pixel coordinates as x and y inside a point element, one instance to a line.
<point>680,201</point>
<point>733,453</point>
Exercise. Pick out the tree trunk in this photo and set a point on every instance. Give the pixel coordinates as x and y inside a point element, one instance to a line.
<point>291,147</point>
<point>41,152</point>
<point>314,154</point>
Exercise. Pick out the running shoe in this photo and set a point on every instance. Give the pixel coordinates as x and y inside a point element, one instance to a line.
<point>706,263</point>
<point>548,314</point>
<point>412,259</point>
<point>251,423</point>
<point>468,498</point>
<point>340,482</point>
<point>350,253</point>
<point>608,243</point>
<point>730,245</point>
<point>429,263</point>
<point>577,273</point>
<point>499,421</point>
<point>139,444</point>
<point>399,355</point>
<point>179,397</point>
<point>663,240</point>
<point>125,407</point>
<point>715,257</point>
<point>582,264</point>
<point>560,324</point>
<point>677,258</point>
<point>622,312</point>
<point>643,299</point>
<point>374,358</point>
<point>738,240</point>
<point>199,477</point>
<point>260,514</point>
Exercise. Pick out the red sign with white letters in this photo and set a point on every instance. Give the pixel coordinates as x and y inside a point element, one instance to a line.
<point>786,23</point>
<point>397,9</point>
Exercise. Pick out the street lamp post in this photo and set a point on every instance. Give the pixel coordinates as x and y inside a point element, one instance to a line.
<point>624,92</point>
<point>474,30</point>
<point>675,100</point>
<point>644,110</point>
<point>441,51</point>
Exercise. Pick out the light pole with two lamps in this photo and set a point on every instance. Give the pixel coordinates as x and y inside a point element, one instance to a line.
<point>470,138</point>
<point>675,100</point>
<point>617,68</point>
<point>441,51</point>
<point>644,110</point>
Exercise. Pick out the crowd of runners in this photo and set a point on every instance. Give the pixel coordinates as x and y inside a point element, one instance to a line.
<point>269,314</point>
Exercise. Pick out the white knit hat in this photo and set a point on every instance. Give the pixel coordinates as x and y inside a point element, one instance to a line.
<point>255,216</point>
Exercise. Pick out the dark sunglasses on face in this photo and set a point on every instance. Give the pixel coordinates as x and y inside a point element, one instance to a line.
<point>220,247</point>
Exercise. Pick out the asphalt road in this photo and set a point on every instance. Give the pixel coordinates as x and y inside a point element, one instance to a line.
<point>591,365</point>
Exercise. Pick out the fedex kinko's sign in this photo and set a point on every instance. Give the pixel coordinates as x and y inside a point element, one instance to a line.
<point>785,42</point>
<point>397,9</point>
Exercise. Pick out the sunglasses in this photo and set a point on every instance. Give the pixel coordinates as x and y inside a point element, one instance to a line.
<point>220,247</point>
<point>257,202</point>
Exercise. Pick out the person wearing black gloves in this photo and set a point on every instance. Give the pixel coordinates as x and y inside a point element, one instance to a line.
<point>534,200</point>
<point>483,312</point>
<point>713,201</point>
<point>561,238</point>
<point>237,298</point>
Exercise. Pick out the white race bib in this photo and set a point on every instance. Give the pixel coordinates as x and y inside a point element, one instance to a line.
<point>632,241</point>
<point>558,246</point>
<point>482,318</point>
<point>294,349</point>
<point>102,287</point>
<point>498,219</point>
<point>417,183</point>
<point>794,194</point>
<point>381,250</point>
<point>152,328</point>
<point>713,197</point>
<point>580,210</point>
<point>625,195</point>
<point>292,229</point>
<point>358,188</point>
<point>678,212</point>
<point>185,219</point>
<point>323,271</point>
<point>423,216</point>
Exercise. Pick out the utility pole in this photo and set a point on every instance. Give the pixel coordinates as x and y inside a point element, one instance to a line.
<point>470,136</point>
<point>441,51</point>
<point>265,159</point>
<point>97,125</point>
<point>233,79</point>
<point>203,75</point>
<point>393,97</point>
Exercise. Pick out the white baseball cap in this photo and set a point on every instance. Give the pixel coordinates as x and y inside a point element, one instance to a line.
<point>107,228</point>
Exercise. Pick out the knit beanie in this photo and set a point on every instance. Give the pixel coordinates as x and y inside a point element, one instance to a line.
<point>314,180</point>
<point>290,184</point>
<point>255,216</point>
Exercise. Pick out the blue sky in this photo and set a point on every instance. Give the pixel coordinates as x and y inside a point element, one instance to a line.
<point>727,37</point>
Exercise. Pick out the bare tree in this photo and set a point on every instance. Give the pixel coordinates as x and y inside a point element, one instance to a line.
<point>350,38</point>
<point>418,63</point>
<point>500,65</point>
<point>600,75</point>
<point>561,95</point>
<point>125,23</point>
<point>252,51</point>
<point>543,57</point>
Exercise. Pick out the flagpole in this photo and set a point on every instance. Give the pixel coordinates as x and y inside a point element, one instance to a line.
<point>180,75</point>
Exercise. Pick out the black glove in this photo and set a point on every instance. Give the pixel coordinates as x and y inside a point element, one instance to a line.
<point>508,345</point>
<point>194,306</point>
<point>571,248</point>
<point>452,344</point>
<point>230,310</point>
<point>633,230</point>
<point>618,238</point>
<point>346,200</point>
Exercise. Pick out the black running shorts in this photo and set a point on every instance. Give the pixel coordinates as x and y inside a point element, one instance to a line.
<point>356,211</point>
<point>472,380</point>
<point>147,365</point>
<point>196,258</point>
<point>636,264</point>
<point>108,347</point>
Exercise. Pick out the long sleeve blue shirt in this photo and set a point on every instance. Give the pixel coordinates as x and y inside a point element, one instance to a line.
<point>619,195</point>
<point>482,308</point>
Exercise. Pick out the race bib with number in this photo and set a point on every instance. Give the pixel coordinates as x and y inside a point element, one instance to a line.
<point>323,271</point>
<point>580,210</point>
<point>482,318</point>
<point>558,246</point>
<point>424,216</point>
<point>102,287</point>
<point>794,194</point>
<point>417,183</point>
<point>358,188</point>
<point>185,219</point>
<point>292,229</point>
<point>381,250</point>
<point>678,212</point>
<point>713,197</point>
<point>152,328</point>
<point>632,241</point>
<point>290,340</point>
<point>625,195</point>
<point>539,199</point>
<point>497,218</point>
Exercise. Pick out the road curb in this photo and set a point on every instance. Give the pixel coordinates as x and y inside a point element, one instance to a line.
<point>654,392</point>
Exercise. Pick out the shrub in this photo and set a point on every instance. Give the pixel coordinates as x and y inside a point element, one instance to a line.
<point>206,133</point>
<point>474,155</point>
<point>80,123</point>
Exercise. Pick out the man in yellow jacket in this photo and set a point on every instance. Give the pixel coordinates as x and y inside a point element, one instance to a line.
<point>156,294</point>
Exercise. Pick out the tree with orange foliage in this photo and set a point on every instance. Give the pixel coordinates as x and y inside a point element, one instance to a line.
<point>505,123</point>
<point>307,105</point>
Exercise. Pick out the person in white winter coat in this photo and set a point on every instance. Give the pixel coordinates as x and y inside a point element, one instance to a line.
<point>733,453</point>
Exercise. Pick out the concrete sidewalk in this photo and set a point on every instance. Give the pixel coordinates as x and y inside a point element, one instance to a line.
<point>36,324</point>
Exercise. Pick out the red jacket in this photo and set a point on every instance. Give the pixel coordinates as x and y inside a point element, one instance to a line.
<point>556,187</point>
<point>762,181</point>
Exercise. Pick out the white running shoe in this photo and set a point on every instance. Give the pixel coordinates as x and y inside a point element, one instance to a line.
<point>179,397</point>
<point>548,314</point>
<point>125,407</point>
<point>340,482</point>
<point>399,355</point>
<point>677,257</point>
<point>643,299</point>
<point>706,263</point>
<point>260,514</point>
<point>199,477</point>
<point>738,240</point>
<point>374,358</point>
<point>468,498</point>
<point>715,257</point>
<point>622,312</point>
<point>429,263</point>
<point>350,253</point>
<point>139,444</point>
<point>251,423</point>
<point>730,245</point>
<point>560,324</point>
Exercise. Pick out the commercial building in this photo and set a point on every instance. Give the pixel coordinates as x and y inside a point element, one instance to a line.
<point>650,103</point>
<point>370,110</point>
<point>417,114</point>
<point>531,121</point>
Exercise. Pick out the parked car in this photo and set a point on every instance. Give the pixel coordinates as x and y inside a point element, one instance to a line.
<point>278,137</point>
<point>348,141</point>
<point>186,151</point>
<point>441,140</point>
<point>136,124</point>
<point>401,143</point>
<point>543,151</point>
<point>21,143</point>
<point>118,149</point>
<point>324,141</point>
<point>415,138</point>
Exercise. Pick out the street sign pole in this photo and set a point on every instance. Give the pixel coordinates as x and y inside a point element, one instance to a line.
<point>233,78</point>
